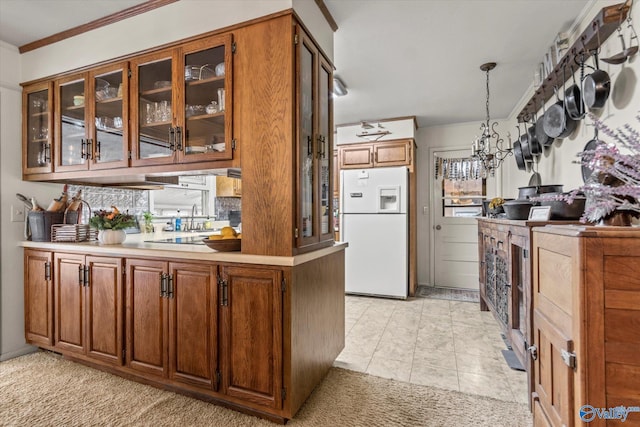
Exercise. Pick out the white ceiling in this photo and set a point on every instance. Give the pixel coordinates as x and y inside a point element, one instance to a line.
<point>397,57</point>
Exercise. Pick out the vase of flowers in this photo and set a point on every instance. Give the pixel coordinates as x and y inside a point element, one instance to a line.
<point>111,225</point>
<point>613,188</point>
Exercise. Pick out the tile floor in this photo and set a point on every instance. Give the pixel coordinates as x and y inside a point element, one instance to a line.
<point>440,343</point>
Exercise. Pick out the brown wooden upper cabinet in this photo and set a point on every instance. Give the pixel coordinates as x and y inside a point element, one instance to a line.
<point>181,103</point>
<point>376,154</point>
<point>91,115</point>
<point>228,187</point>
<point>315,135</point>
<point>37,128</point>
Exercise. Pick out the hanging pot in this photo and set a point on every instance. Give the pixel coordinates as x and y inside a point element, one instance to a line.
<point>596,87</point>
<point>542,137</point>
<point>573,99</point>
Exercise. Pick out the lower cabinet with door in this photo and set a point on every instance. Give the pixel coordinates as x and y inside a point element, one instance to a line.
<point>257,338</point>
<point>586,323</point>
<point>88,306</point>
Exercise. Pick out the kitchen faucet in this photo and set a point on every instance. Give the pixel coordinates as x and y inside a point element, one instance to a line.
<point>194,210</point>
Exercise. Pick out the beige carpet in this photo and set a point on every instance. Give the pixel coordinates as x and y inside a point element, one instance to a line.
<point>42,389</point>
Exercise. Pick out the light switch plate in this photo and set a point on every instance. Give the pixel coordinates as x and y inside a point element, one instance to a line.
<point>17,213</point>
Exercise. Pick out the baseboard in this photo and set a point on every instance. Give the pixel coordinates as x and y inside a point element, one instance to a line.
<point>19,352</point>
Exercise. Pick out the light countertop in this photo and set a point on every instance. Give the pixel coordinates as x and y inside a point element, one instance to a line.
<point>138,245</point>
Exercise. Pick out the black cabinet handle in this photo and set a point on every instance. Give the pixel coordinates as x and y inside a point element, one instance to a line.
<point>178,138</point>
<point>98,150</point>
<point>83,145</point>
<point>47,153</point>
<point>80,275</point>
<point>172,139</point>
<point>309,145</point>
<point>89,149</point>
<point>86,275</point>
<point>321,146</point>
<point>47,270</point>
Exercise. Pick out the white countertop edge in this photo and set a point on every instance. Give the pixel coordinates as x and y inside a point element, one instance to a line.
<point>177,251</point>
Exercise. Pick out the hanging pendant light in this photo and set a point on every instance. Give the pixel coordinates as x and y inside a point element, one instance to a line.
<point>489,148</point>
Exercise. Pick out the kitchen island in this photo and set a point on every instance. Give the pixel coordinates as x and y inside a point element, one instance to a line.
<point>255,333</point>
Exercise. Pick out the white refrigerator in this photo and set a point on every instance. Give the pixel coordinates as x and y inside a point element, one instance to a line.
<point>373,206</point>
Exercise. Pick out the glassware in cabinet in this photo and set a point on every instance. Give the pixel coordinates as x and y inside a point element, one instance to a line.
<point>181,103</point>
<point>109,129</point>
<point>72,142</point>
<point>154,134</point>
<point>207,96</point>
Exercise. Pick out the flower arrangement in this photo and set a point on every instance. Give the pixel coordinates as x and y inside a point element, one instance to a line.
<point>614,185</point>
<point>111,220</point>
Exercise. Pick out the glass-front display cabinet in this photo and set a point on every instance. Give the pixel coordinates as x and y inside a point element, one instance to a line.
<point>181,104</point>
<point>37,125</point>
<point>91,117</point>
<point>314,145</point>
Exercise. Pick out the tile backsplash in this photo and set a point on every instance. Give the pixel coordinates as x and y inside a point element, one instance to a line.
<point>134,202</point>
<point>226,204</point>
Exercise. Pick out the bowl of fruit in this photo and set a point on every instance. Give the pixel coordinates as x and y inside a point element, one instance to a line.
<point>227,241</point>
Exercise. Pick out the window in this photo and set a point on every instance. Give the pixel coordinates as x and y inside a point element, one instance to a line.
<point>463,198</point>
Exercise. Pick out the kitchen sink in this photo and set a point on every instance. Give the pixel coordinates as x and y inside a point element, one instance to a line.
<point>183,240</point>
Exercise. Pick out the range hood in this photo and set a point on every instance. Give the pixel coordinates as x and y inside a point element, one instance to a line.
<point>153,182</point>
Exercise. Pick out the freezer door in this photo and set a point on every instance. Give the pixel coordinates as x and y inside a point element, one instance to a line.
<point>377,190</point>
<point>376,260</point>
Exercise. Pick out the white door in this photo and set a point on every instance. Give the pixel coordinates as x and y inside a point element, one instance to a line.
<point>456,204</point>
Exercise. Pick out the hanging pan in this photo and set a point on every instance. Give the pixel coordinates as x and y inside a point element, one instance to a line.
<point>596,87</point>
<point>534,145</point>
<point>526,152</point>
<point>590,146</point>
<point>557,123</point>
<point>517,153</point>
<point>573,99</point>
<point>544,139</point>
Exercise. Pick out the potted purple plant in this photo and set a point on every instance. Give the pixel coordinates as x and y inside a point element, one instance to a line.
<point>613,189</point>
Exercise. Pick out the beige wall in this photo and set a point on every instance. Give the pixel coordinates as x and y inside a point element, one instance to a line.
<point>11,291</point>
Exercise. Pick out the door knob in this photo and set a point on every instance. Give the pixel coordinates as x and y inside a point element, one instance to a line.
<point>438,227</point>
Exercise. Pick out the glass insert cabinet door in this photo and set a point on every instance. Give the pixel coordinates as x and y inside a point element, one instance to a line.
<point>154,133</point>
<point>207,100</point>
<point>307,66</point>
<point>325,146</point>
<point>110,116</point>
<point>37,128</point>
<point>315,148</point>
<point>183,99</point>
<point>71,119</point>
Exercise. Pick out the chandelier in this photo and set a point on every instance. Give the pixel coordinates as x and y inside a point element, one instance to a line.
<point>488,149</point>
